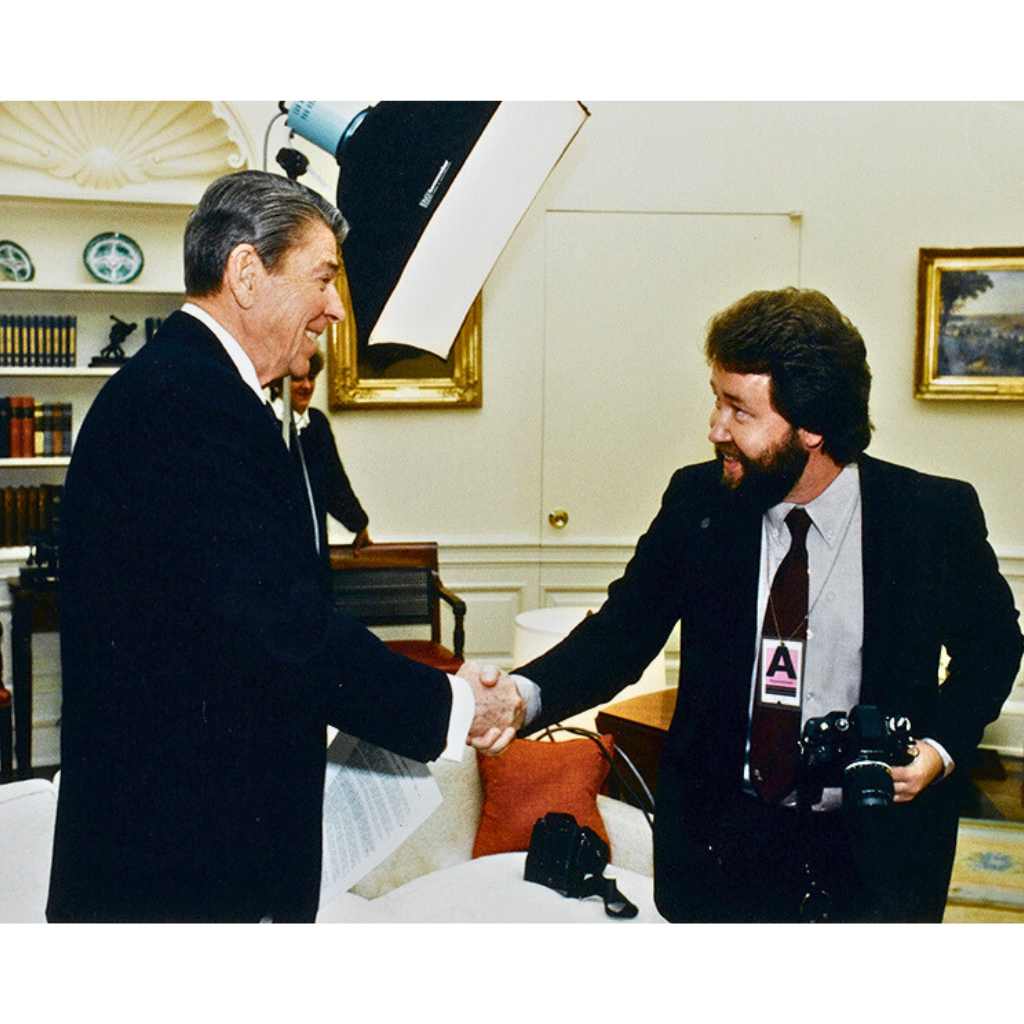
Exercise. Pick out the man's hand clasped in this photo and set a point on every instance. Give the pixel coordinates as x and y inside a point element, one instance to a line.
<point>499,708</point>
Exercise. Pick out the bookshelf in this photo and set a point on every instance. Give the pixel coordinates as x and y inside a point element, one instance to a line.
<point>37,461</point>
<point>54,232</point>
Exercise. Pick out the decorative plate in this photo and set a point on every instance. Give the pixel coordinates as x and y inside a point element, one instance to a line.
<point>113,258</point>
<point>15,263</point>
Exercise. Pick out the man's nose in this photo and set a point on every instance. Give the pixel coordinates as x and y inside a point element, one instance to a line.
<point>718,433</point>
<point>335,310</point>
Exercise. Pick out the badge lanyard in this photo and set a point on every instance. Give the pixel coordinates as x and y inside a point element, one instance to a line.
<point>782,658</point>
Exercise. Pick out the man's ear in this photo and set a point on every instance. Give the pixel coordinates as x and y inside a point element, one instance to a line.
<point>809,439</point>
<point>242,274</point>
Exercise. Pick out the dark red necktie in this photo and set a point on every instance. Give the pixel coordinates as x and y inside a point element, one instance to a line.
<point>775,728</point>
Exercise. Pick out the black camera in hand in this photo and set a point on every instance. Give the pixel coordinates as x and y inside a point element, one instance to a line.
<point>854,750</point>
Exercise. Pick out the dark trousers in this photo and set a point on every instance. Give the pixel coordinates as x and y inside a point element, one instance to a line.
<point>764,863</point>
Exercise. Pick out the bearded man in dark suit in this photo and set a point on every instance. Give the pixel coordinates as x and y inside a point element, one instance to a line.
<point>202,658</point>
<point>898,567</point>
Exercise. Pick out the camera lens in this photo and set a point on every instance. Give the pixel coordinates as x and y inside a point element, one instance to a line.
<point>867,784</point>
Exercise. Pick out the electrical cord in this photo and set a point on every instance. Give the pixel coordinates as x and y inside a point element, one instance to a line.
<point>596,738</point>
<point>266,135</point>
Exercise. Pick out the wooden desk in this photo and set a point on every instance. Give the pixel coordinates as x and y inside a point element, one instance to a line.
<point>34,609</point>
<point>639,726</point>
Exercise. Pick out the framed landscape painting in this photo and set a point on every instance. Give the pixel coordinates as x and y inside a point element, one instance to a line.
<point>970,323</point>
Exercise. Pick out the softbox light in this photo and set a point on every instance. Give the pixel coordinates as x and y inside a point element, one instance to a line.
<point>432,192</point>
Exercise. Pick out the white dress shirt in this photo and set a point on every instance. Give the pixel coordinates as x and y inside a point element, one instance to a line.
<point>301,420</point>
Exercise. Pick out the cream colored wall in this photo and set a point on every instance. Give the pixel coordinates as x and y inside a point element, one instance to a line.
<point>874,182</point>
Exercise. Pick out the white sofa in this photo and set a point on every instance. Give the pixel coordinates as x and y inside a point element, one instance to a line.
<point>27,812</point>
<point>431,877</point>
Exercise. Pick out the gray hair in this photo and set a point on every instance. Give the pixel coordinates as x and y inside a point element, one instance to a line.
<point>266,210</point>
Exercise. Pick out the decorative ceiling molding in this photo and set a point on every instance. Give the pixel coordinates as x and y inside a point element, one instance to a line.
<point>106,147</point>
<point>236,134</point>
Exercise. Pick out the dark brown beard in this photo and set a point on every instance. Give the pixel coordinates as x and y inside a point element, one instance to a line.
<point>768,479</point>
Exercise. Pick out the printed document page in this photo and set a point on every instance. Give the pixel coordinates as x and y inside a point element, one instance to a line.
<point>373,801</point>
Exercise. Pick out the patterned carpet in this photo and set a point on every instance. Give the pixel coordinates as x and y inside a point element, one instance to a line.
<point>988,874</point>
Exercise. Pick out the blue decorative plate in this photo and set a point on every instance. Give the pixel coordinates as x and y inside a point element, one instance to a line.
<point>15,264</point>
<point>113,258</point>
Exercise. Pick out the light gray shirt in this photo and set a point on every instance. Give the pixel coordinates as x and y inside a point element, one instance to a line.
<point>835,600</point>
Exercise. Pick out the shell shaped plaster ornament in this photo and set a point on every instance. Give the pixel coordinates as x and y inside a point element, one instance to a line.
<point>108,145</point>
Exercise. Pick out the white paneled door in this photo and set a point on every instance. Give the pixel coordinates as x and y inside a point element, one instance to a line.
<point>626,397</point>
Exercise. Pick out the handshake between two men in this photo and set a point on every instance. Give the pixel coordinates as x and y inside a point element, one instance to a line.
<point>500,709</point>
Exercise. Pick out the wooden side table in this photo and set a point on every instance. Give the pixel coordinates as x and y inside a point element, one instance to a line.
<point>639,726</point>
<point>34,609</point>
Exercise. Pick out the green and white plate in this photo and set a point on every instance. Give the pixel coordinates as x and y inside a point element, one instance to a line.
<point>15,263</point>
<point>113,258</point>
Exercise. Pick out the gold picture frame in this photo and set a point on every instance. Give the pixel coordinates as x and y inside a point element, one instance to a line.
<point>422,381</point>
<point>970,324</point>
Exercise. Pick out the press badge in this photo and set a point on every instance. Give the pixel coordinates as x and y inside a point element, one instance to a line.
<point>782,672</point>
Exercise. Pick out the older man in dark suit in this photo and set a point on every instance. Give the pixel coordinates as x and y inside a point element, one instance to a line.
<point>201,655</point>
<point>895,566</point>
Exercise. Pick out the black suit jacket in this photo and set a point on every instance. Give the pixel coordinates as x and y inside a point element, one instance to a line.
<point>332,491</point>
<point>930,579</point>
<point>201,656</point>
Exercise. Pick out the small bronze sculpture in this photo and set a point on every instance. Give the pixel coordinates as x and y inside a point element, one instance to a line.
<point>113,354</point>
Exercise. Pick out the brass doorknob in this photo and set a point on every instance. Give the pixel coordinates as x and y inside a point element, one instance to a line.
<point>558,518</point>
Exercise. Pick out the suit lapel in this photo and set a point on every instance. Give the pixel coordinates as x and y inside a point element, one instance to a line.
<point>202,344</point>
<point>745,564</point>
<point>880,558</point>
<point>736,563</point>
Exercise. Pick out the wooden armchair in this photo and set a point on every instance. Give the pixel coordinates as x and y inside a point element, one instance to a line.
<point>398,585</point>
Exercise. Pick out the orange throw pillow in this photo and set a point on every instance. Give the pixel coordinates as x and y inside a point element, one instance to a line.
<point>533,777</point>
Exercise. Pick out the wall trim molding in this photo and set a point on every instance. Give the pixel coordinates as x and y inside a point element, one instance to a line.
<point>474,551</point>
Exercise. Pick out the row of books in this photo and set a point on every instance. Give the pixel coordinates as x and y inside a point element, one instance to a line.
<point>28,510</point>
<point>40,340</point>
<point>28,429</point>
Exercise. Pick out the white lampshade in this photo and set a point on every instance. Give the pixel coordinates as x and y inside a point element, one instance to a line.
<point>539,630</point>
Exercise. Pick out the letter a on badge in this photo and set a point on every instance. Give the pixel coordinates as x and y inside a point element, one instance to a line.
<point>782,663</point>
